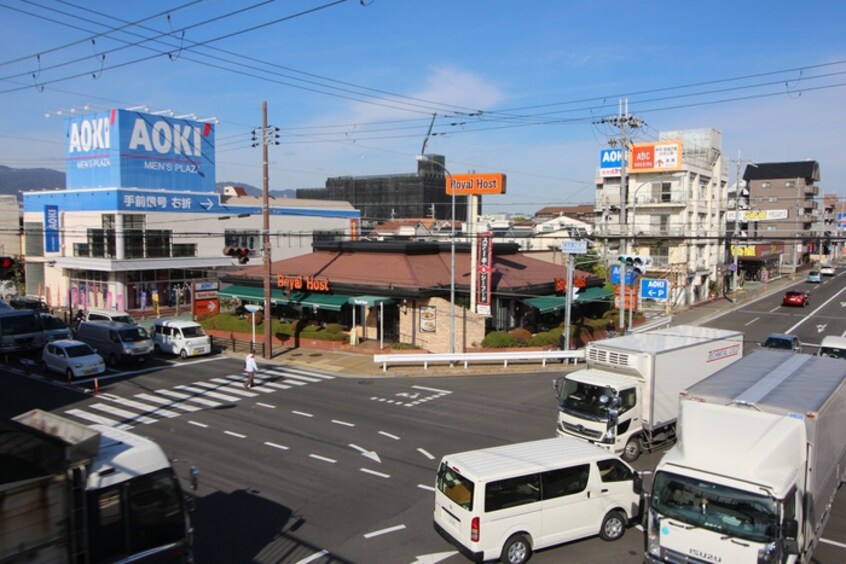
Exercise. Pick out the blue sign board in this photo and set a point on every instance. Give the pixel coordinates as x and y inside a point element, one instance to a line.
<point>610,162</point>
<point>51,229</point>
<point>615,275</point>
<point>841,220</point>
<point>654,289</point>
<point>574,247</point>
<point>128,149</point>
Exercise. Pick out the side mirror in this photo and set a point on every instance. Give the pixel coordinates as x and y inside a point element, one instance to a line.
<point>194,472</point>
<point>637,484</point>
<point>556,385</point>
<point>613,416</point>
<point>791,529</point>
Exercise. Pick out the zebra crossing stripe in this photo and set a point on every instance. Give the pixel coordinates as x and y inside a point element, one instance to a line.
<point>186,397</point>
<point>97,419</point>
<point>229,388</point>
<point>205,392</point>
<point>168,402</point>
<point>277,386</point>
<point>126,415</point>
<point>295,375</point>
<point>147,408</point>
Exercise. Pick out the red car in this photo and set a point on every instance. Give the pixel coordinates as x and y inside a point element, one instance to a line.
<point>796,298</point>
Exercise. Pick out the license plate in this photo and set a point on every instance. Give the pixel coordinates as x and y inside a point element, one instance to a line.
<point>89,371</point>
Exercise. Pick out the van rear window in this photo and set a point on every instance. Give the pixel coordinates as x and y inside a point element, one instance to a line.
<point>832,352</point>
<point>455,486</point>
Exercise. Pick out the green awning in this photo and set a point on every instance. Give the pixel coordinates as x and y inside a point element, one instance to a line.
<point>370,300</point>
<point>253,294</point>
<point>593,295</point>
<point>328,302</point>
<point>549,304</point>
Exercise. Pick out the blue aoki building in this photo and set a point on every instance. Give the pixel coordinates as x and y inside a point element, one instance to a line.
<point>141,219</point>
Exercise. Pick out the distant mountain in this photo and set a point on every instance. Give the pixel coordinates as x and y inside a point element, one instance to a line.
<point>14,180</point>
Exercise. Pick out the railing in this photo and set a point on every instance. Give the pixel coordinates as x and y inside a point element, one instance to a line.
<point>657,323</point>
<point>466,358</point>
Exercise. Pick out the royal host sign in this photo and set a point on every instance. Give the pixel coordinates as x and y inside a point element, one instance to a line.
<point>128,149</point>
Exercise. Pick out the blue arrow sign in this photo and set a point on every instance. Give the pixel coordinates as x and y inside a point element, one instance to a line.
<point>654,289</point>
<point>615,275</point>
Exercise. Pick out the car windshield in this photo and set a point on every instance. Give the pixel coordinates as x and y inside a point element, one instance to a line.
<point>778,343</point>
<point>53,323</point>
<point>123,319</point>
<point>584,399</point>
<point>81,349</point>
<point>190,332</point>
<point>832,352</point>
<point>134,334</point>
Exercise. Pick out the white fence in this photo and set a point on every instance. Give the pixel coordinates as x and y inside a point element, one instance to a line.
<point>476,358</point>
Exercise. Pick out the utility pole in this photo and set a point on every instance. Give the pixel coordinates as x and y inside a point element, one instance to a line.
<point>626,124</point>
<point>268,136</point>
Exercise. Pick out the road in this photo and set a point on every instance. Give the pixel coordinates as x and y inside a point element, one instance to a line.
<point>315,468</point>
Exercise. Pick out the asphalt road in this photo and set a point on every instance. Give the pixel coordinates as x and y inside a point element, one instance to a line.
<point>312,468</point>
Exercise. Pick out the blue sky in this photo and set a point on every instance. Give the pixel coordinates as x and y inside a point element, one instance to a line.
<point>518,87</point>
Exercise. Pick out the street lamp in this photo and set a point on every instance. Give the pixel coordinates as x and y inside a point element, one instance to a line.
<point>252,308</point>
<point>426,159</point>
<point>736,231</point>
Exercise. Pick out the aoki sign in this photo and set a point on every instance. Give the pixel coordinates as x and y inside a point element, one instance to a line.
<point>127,149</point>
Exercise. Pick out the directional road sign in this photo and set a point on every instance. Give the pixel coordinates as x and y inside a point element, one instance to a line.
<point>654,289</point>
<point>615,275</point>
<point>574,247</point>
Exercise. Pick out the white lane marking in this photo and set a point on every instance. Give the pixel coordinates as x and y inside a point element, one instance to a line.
<point>208,393</point>
<point>234,434</point>
<point>425,487</point>
<point>302,413</point>
<point>390,436</point>
<point>198,424</point>
<point>835,543</point>
<point>776,308</point>
<point>168,402</point>
<point>807,317</point>
<point>384,531</point>
<point>213,390</point>
<point>301,377</point>
<point>431,389</point>
<point>97,419</point>
<point>277,386</point>
<point>274,445</point>
<point>426,454</point>
<point>344,423</point>
<point>323,458</point>
<point>375,473</point>
<point>145,407</point>
<point>128,415</point>
<point>371,454</point>
<point>753,321</point>
<point>434,557</point>
<point>313,557</point>
<point>267,405</point>
<point>187,397</point>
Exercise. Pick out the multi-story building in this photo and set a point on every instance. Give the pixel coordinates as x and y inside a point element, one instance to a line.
<point>783,213</point>
<point>673,211</point>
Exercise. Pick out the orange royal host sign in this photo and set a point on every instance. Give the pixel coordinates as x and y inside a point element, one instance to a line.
<point>470,184</point>
<point>302,283</point>
<point>661,156</point>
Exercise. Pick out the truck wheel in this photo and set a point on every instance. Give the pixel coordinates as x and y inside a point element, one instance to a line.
<point>632,450</point>
<point>613,526</point>
<point>183,354</point>
<point>517,550</point>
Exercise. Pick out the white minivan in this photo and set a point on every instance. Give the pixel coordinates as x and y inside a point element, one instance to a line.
<point>505,502</point>
<point>835,347</point>
<point>185,338</point>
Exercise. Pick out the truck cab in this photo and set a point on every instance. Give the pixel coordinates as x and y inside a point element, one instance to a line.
<point>602,408</point>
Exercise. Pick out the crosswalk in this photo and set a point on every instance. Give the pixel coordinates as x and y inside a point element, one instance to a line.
<point>165,403</point>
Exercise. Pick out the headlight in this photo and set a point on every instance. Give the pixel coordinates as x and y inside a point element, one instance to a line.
<point>653,536</point>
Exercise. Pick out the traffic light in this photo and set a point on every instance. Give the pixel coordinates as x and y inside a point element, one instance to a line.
<point>636,263</point>
<point>240,253</point>
<point>7,268</point>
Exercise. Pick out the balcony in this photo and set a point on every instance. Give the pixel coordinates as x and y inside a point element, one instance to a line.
<point>811,190</point>
<point>663,200</point>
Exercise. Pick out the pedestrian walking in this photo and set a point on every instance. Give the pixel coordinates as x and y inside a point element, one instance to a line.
<point>250,368</point>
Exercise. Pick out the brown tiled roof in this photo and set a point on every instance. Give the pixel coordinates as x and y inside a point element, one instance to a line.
<point>413,272</point>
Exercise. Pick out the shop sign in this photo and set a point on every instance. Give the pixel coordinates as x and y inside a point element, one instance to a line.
<point>474,184</point>
<point>561,283</point>
<point>485,270</point>
<point>205,295</point>
<point>428,319</point>
<point>610,162</point>
<point>206,307</point>
<point>206,285</point>
<point>303,283</point>
<point>51,229</point>
<point>662,156</point>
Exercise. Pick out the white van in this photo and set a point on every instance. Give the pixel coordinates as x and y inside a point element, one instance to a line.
<point>109,315</point>
<point>185,338</point>
<point>507,501</point>
<point>835,347</point>
<point>116,342</point>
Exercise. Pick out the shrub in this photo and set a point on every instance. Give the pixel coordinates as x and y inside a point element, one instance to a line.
<point>545,339</point>
<point>521,335</point>
<point>500,340</point>
<point>334,328</point>
<point>404,346</point>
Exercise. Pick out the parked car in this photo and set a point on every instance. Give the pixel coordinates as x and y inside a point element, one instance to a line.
<point>814,277</point>
<point>782,342</point>
<point>827,270</point>
<point>26,302</point>
<point>54,328</point>
<point>796,298</point>
<point>73,358</point>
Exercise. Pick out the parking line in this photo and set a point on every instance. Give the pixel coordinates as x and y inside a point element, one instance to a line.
<point>425,453</point>
<point>323,458</point>
<point>375,473</point>
<point>313,557</point>
<point>234,434</point>
<point>425,487</point>
<point>390,436</point>
<point>384,531</point>
<point>198,424</point>
<point>274,445</point>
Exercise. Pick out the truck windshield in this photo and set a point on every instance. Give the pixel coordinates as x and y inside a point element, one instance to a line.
<point>832,352</point>
<point>585,399</point>
<point>191,332</point>
<point>730,511</point>
<point>455,486</point>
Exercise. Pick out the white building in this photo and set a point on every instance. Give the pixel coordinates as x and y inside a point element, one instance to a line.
<point>675,212</point>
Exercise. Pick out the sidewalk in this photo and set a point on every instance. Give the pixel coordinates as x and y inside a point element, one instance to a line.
<point>352,365</point>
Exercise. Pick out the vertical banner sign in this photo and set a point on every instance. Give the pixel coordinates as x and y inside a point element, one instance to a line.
<point>51,229</point>
<point>485,269</point>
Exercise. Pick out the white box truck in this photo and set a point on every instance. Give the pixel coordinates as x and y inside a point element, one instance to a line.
<point>760,456</point>
<point>626,400</point>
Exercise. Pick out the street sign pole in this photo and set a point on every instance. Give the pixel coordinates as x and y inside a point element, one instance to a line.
<point>569,303</point>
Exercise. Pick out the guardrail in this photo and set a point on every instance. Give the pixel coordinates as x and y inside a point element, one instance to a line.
<point>657,323</point>
<point>466,358</point>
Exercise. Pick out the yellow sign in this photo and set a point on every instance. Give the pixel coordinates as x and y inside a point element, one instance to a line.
<point>743,251</point>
